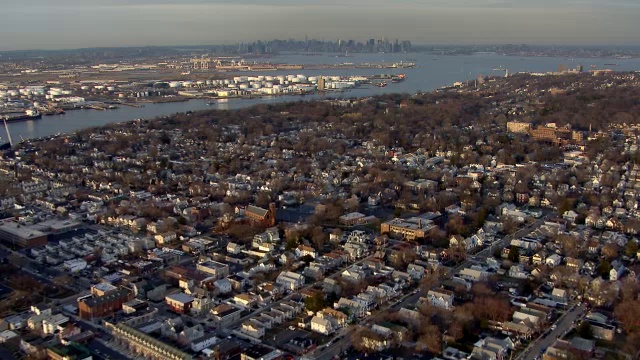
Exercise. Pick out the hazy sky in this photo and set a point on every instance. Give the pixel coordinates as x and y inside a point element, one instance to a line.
<point>52,24</point>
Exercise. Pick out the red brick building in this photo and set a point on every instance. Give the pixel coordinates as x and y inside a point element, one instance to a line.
<point>99,306</point>
<point>258,216</point>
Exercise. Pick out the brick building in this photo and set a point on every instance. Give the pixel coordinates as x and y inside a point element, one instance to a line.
<point>99,306</point>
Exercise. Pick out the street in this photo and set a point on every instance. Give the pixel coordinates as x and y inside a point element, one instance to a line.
<point>563,325</point>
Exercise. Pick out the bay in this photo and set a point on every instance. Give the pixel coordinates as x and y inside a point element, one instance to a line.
<point>431,72</point>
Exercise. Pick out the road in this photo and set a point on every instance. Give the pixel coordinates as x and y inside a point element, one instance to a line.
<point>342,341</point>
<point>563,325</point>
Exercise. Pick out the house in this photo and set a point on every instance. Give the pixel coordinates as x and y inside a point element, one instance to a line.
<point>520,330</point>
<point>559,295</point>
<point>54,324</point>
<point>224,315</point>
<point>234,248</point>
<point>617,269</point>
<point>223,286</point>
<point>253,329</point>
<point>304,250</point>
<point>530,320</point>
<point>440,298</point>
<point>570,216</point>
<point>203,342</point>
<point>165,238</point>
<point>553,260</point>
<point>574,264</point>
<point>179,302</point>
<point>377,339</point>
<point>538,258</point>
<point>456,241</point>
<point>517,272</point>
<point>416,271</point>
<point>321,325</point>
<point>491,348</point>
<point>290,280</point>
<point>472,275</point>
<point>245,300</point>
<point>337,318</point>
<point>354,308</point>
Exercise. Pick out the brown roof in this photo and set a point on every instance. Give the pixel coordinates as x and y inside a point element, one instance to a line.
<point>257,211</point>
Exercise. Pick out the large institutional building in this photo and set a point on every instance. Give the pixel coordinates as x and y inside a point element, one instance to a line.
<point>411,228</point>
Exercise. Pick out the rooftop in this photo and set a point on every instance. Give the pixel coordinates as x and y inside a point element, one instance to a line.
<point>25,232</point>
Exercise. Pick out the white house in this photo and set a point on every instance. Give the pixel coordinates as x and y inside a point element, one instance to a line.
<point>253,329</point>
<point>416,271</point>
<point>203,342</point>
<point>290,280</point>
<point>440,298</point>
<point>320,325</point>
<point>553,260</point>
<point>223,285</point>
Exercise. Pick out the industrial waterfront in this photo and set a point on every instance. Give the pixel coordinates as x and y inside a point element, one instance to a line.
<point>431,72</point>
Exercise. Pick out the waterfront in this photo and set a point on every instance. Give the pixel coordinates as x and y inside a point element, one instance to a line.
<point>431,72</point>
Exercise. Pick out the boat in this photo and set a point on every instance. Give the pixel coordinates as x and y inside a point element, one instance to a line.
<point>611,64</point>
<point>22,117</point>
<point>398,78</point>
<point>380,84</point>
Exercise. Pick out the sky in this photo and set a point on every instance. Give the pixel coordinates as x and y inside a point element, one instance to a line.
<point>63,24</point>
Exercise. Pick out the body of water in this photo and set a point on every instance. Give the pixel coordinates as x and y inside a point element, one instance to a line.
<point>431,72</point>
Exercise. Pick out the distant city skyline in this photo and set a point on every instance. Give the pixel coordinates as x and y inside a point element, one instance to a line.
<point>64,24</point>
